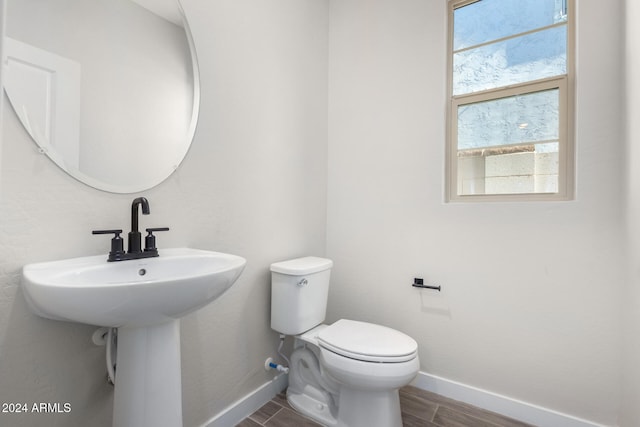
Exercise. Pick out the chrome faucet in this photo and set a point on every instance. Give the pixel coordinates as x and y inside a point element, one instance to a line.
<point>135,251</point>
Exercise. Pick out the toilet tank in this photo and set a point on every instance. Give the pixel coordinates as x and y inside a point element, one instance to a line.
<point>299,292</point>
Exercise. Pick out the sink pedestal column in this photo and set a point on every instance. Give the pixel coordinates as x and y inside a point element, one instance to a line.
<point>148,388</point>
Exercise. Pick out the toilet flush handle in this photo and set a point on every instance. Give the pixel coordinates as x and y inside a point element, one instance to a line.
<point>303,282</point>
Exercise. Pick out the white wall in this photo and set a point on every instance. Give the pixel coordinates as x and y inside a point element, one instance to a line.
<point>253,184</point>
<point>630,413</point>
<point>531,298</point>
<point>3,15</point>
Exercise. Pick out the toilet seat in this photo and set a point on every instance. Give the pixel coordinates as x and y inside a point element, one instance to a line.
<point>367,342</point>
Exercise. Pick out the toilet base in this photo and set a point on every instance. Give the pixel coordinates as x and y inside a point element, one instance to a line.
<point>360,408</point>
<point>357,408</point>
<point>309,392</point>
<point>314,408</point>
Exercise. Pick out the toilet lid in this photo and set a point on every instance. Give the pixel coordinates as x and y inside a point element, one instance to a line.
<point>367,342</point>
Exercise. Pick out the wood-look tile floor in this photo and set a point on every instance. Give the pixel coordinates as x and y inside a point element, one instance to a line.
<point>419,409</point>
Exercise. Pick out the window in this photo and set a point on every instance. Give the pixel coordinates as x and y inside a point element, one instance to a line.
<point>510,86</point>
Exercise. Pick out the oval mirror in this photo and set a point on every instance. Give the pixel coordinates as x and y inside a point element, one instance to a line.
<point>107,89</point>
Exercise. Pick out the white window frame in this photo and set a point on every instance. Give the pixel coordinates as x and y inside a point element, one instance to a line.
<point>564,83</point>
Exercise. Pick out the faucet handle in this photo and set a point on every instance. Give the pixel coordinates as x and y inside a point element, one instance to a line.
<point>153,230</point>
<point>150,239</point>
<point>117,244</point>
<point>116,232</point>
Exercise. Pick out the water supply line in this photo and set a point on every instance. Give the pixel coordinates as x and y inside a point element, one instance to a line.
<point>109,338</point>
<point>282,337</point>
<point>270,364</point>
<point>112,351</point>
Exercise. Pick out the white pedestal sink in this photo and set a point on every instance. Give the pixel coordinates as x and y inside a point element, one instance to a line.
<point>144,299</point>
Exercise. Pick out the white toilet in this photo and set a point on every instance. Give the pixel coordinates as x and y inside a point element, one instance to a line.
<point>345,374</point>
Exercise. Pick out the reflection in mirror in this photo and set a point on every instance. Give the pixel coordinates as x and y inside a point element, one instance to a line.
<point>108,89</point>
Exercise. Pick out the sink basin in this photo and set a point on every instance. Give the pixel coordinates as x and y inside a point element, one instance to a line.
<point>129,293</point>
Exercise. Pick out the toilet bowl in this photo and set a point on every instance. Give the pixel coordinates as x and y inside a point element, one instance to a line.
<point>346,374</point>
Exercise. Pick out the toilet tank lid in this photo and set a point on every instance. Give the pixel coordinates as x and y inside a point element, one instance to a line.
<point>302,266</point>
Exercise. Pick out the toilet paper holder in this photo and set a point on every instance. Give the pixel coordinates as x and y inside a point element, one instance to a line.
<point>419,283</point>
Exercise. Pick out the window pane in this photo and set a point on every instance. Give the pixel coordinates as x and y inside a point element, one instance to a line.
<point>509,145</point>
<point>532,117</point>
<point>521,59</point>
<point>488,20</point>
<point>517,170</point>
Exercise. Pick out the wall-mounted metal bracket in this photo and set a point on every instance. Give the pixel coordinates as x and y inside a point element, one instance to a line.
<point>419,283</point>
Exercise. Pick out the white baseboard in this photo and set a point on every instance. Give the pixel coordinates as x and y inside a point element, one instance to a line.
<point>247,405</point>
<point>507,406</point>
<point>513,408</point>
